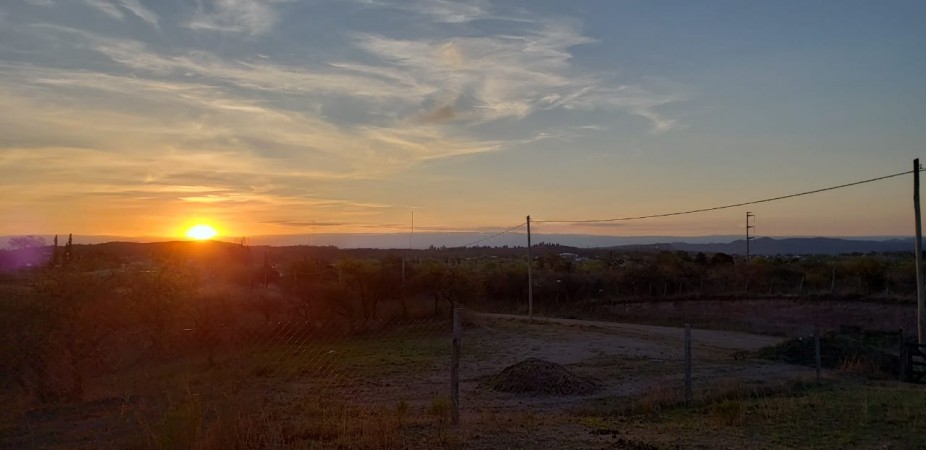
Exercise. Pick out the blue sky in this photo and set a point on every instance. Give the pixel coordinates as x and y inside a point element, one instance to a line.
<point>134,117</point>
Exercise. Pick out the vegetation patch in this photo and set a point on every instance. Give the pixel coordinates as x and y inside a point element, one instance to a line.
<point>840,413</point>
<point>852,349</point>
<point>537,376</point>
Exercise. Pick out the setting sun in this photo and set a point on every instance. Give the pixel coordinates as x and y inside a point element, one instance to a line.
<point>201,232</point>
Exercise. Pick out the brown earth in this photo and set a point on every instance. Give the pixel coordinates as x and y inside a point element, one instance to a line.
<point>539,377</point>
<point>621,360</point>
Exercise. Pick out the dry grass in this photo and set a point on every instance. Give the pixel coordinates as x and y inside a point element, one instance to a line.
<point>839,413</point>
<point>308,394</point>
<point>231,425</point>
<point>663,397</point>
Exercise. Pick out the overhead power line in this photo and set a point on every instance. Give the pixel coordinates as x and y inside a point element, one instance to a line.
<point>495,235</point>
<point>715,208</point>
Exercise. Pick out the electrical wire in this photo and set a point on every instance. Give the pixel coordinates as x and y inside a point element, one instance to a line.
<point>715,208</point>
<point>494,235</point>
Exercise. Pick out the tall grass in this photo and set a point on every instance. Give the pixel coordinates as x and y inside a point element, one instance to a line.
<point>839,413</point>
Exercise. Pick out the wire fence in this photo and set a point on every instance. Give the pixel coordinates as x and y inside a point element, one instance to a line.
<point>364,354</point>
<point>591,368</point>
<point>251,384</point>
<point>245,382</point>
<point>176,356</point>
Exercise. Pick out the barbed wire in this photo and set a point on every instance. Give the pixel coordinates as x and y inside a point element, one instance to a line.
<point>735,205</point>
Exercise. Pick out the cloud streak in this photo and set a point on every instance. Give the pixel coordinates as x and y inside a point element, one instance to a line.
<point>189,128</point>
<point>442,11</point>
<point>511,77</point>
<point>252,17</point>
<point>140,11</point>
<point>114,9</point>
<point>106,8</point>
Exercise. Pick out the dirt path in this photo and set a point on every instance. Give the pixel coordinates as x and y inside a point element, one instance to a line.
<point>720,339</point>
<point>623,359</point>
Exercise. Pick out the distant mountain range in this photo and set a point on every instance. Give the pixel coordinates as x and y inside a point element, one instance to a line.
<point>789,246</point>
<point>707,244</point>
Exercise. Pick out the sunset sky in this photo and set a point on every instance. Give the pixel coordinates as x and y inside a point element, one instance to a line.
<point>142,118</point>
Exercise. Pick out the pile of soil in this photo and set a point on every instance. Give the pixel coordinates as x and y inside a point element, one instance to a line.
<point>536,376</point>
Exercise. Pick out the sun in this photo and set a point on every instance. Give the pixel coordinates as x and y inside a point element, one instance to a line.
<point>201,232</point>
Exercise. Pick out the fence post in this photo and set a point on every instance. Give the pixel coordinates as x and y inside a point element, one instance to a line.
<point>903,360</point>
<point>833,281</point>
<point>530,277</point>
<point>816,349</point>
<point>455,368</point>
<point>688,364</point>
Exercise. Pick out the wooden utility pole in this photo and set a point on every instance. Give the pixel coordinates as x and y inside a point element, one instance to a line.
<point>749,226</point>
<point>530,278</point>
<point>920,294</point>
<point>411,235</point>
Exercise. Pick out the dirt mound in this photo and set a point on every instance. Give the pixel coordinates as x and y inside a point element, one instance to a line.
<point>536,376</point>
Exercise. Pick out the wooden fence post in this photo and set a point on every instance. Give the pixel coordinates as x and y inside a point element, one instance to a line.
<point>903,360</point>
<point>688,364</point>
<point>455,368</point>
<point>816,347</point>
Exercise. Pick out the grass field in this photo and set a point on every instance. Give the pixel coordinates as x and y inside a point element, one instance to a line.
<point>840,413</point>
<point>389,389</point>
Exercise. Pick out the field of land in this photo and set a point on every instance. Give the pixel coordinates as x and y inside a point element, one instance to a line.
<point>390,389</point>
<point>791,317</point>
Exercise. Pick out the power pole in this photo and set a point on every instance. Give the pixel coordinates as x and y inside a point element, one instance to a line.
<point>920,293</point>
<point>404,257</point>
<point>530,279</point>
<point>411,235</point>
<point>749,226</point>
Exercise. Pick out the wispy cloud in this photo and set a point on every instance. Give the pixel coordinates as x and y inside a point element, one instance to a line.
<point>251,17</point>
<point>306,224</point>
<point>114,9</point>
<point>192,128</point>
<point>470,79</point>
<point>442,113</point>
<point>106,7</point>
<point>512,76</point>
<point>444,11</point>
<point>195,134</point>
<point>140,11</point>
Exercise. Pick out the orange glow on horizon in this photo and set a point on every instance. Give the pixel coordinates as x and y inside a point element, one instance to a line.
<point>201,232</point>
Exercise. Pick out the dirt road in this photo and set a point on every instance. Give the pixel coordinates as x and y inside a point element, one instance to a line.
<point>719,339</point>
<point>623,359</point>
